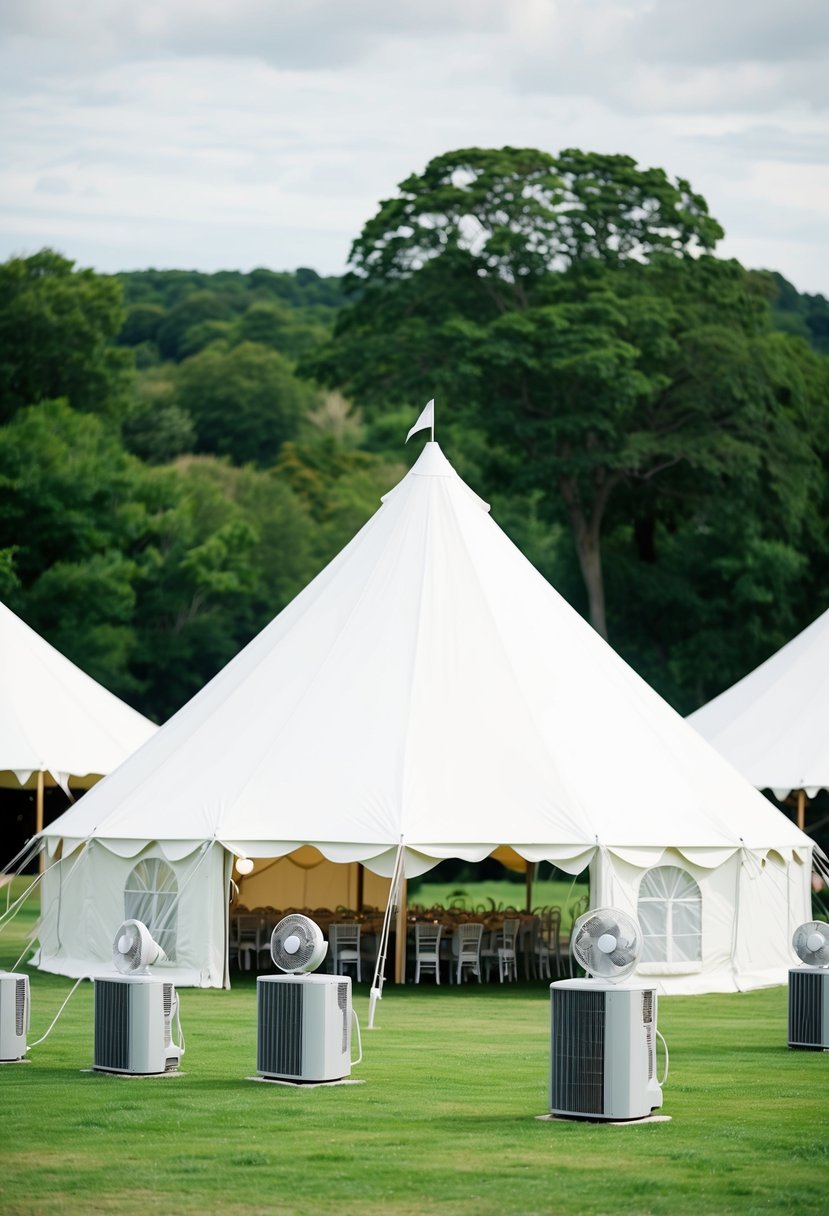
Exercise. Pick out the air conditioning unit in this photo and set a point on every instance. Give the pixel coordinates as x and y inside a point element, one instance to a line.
<point>809,1008</point>
<point>15,1007</point>
<point>303,1027</point>
<point>603,1030</point>
<point>603,1049</point>
<point>133,1025</point>
<point>809,988</point>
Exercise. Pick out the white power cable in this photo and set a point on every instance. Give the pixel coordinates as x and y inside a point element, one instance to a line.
<point>665,1045</point>
<point>59,1012</point>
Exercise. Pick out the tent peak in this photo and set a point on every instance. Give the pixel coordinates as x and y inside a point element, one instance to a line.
<point>432,463</point>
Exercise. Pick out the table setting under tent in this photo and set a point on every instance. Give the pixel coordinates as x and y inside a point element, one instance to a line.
<point>428,696</point>
<point>445,944</point>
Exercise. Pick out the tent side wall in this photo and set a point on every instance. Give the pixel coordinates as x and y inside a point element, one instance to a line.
<point>748,907</point>
<point>775,897</point>
<point>87,893</point>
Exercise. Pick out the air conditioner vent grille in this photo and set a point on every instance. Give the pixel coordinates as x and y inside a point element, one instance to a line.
<point>806,996</point>
<point>113,1015</point>
<point>342,1005</point>
<point>279,1042</point>
<point>578,1051</point>
<point>20,1007</point>
<point>647,1006</point>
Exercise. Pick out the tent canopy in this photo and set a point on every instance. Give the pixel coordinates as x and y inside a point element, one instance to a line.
<point>55,719</point>
<point>430,687</point>
<point>772,724</point>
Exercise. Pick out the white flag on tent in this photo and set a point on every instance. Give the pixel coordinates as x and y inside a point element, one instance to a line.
<point>427,418</point>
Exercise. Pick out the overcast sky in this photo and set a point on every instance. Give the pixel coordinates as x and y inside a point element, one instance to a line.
<point>213,134</point>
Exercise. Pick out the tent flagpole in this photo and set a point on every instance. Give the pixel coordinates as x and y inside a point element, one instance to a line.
<point>376,993</point>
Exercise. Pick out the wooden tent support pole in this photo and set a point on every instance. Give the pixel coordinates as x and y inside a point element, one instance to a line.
<point>39,814</point>
<point>360,883</point>
<point>400,943</point>
<point>801,810</point>
<point>529,886</point>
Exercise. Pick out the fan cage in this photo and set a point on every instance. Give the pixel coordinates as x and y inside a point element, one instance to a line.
<point>295,926</point>
<point>618,963</point>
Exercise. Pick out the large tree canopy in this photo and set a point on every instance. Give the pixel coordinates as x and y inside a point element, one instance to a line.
<point>57,326</point>
<point>566,307</point>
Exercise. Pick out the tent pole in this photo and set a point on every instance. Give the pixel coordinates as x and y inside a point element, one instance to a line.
<point>400,943</point>
<point>376,992</point>
<point>529,886</point>
<point>360,879</point>
<point>801,810</point>
<point>39,814</point>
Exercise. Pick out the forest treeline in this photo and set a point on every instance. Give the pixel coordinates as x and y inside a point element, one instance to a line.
<point>180,453</point>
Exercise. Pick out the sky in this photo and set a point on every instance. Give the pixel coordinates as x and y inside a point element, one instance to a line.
<point>205,134</point>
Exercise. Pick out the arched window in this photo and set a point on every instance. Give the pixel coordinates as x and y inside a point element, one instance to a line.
<point>150,895</point>
<point>670,914</point>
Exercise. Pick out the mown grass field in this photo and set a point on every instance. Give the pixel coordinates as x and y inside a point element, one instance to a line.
<point>443,1123</point>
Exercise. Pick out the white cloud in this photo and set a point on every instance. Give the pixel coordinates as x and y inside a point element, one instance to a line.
<point>192,132</point>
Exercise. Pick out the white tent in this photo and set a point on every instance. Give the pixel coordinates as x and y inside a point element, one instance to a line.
<point>772,724</point>
<point>429,689</point>
<point>57,725</point>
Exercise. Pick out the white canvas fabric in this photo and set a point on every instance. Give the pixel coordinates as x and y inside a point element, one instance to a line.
<point>429,687</point>
<point>771,725</point>
<point>54,718</point>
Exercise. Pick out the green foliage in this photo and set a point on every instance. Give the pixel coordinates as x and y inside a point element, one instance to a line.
<point>804,315</point>
<point>192,312</point>
<point>244,403</point>
<point>57,326</point>
<point>650,427</point>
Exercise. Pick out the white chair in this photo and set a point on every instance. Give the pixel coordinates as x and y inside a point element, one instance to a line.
<point>547,946</point>
<point>468,943</point>
<point>427,950</point>
<point>506,946</point>
<point>249,939</point>
<point>344,948</point>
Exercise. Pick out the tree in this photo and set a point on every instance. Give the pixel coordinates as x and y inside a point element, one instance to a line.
<point>568,304</point>
<point>57,331</point>
<point>245,402</point>
<point>74,519</point>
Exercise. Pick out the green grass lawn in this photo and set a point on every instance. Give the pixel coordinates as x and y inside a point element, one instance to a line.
<point>444,1123</point>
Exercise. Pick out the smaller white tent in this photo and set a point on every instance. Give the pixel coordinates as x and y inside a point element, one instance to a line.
<point>57,725</point>
<point>430,690</point>
<point>773,724</point>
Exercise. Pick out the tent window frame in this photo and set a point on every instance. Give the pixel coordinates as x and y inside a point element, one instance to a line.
<point>674,902</point>
<point>151,896</point>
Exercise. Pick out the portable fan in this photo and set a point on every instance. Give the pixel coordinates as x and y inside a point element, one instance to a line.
<point>134,950</point>
<point>297,944</point>
<point>811,943</point>
<point>607,943</point>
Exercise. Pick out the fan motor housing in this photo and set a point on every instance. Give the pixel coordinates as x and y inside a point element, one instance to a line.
<point>809,1008</point>
<point>603,1049</point>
